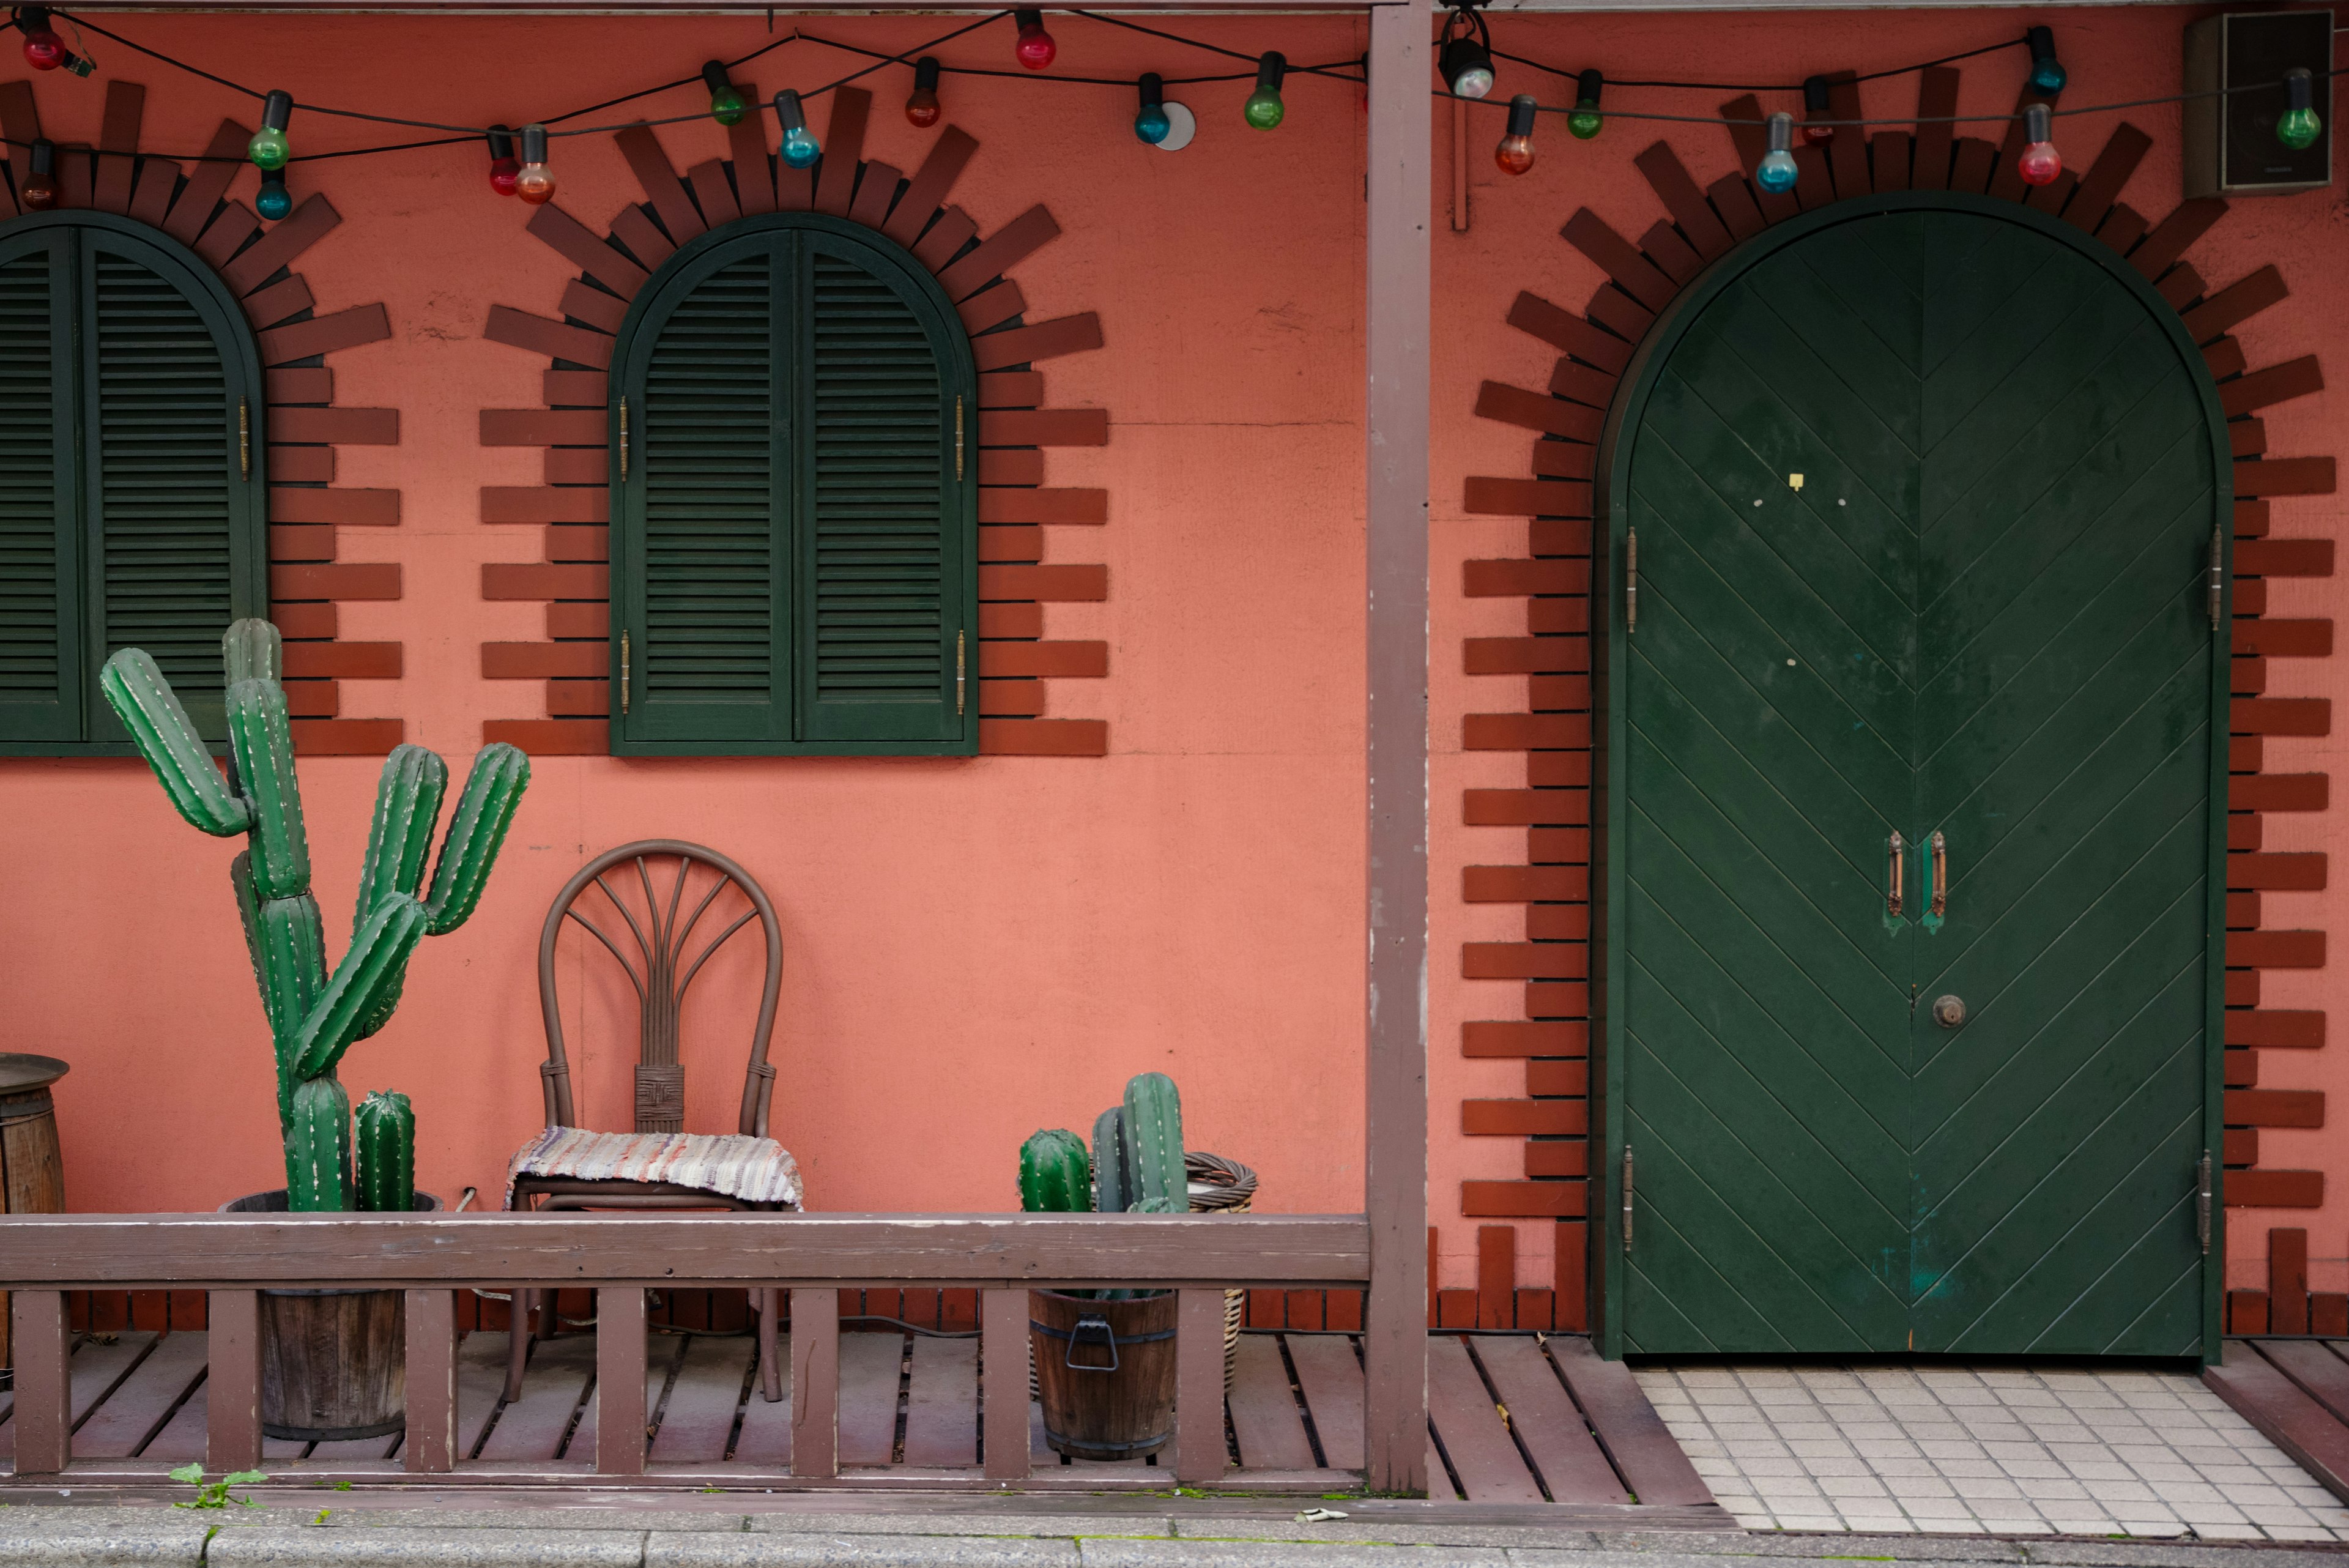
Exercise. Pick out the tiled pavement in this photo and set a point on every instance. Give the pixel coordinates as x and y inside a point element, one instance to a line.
<point>1990,1449</point>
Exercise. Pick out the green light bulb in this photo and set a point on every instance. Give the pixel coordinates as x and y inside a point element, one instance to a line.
<point>1585,121</point>
<point>2298,129</point>
<point>268,148</point>
<point>727,106</point>
<point>1263,109</point>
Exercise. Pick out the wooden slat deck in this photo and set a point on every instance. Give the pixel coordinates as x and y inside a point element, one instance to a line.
<point>2296,1392</point>
<point>1515,1419</point>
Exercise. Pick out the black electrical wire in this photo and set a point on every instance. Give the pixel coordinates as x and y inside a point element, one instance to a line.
<point>1329,70</point>
<point>1769,87</point>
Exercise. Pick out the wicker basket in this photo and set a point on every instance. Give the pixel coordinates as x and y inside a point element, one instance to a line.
<point>1220,1186</point>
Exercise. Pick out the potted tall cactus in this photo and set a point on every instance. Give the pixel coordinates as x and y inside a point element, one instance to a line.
<point>332,1361</point>
<point>1104,1360</point>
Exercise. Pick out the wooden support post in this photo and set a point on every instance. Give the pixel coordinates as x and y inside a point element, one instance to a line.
<point>1395,327</point>
<point>1003,1365</point>
<point>815,1383</point>
<point>231,1381</point>
<point>431,1446</point>
<point>1199,1452</point>
<point>44,1420</point>
<point>620,1380</point>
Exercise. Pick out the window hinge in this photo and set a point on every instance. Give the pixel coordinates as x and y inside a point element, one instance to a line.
<point>623,438</point>
<point>1630,581</point>
<point>2217,576</point>
<point>1627,1197</point>
<point>2202,1203</point>
<point>624,672</point>
<point>958,440</point>
<point>245,438</point>
<point>959,671</point>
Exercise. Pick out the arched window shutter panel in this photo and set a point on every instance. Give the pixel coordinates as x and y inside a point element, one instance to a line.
<point>794,517</point>
<point>132,510</point>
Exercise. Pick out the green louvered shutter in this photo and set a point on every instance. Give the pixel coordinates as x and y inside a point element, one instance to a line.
<point>706,570</point>
<point>40,629</point>
<point>880,544</point>
<point>168,501</point>
<point>794,553</point>
<point>131,511</point>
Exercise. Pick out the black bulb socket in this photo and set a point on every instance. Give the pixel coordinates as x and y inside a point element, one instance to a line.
<point>1814,95</point>
<point>44,157</point>
<point>1024,20</point>
<point>2042,41</point>
<point>1154,90</point>
<point>501,140</point>
<point>1521,109</point>
<point>1271,68</point>
<point>2300,89</point>
<point>32,19</point>
<point>713,76</point>
<point>277,109</point>
<point>533,144</point>
<point>2038,123</point>
<point>926,73</point>
<point>1588,87</point>
<point>788,110</point>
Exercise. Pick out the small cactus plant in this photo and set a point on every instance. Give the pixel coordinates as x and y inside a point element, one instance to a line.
<point>1055,1177</point>
<point>1150,1136</point>
<point>314,1014</point>
<point>1137,1158</point>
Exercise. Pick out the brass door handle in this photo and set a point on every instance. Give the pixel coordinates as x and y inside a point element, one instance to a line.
<point>1940,874</point>
<point>1899,850</point>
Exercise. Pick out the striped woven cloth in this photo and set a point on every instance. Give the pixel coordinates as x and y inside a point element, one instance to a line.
<point>757,1170</point>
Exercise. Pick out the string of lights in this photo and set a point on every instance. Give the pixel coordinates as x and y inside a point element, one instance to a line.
<point>518,161</point>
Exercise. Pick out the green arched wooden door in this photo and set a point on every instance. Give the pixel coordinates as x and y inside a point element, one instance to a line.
<point>1915,566</point>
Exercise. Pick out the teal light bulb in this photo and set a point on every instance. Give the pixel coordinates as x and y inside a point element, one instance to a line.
<point>1151,125</point>
<point>1776,173</point>
<point>274,201</point>
<point>268,148</point>
<point>2047,73</point>
<point>799,149</point>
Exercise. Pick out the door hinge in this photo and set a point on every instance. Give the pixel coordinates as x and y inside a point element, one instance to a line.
<point>245,438</point>
<point>1630,581</point>
<point>623,438</point>
<point>2217,573</point>
<point>959,671</point>
<point>958,440</point>
<point>1627,1197</point>
<point>624,672</point>
<point>2202,1203</point>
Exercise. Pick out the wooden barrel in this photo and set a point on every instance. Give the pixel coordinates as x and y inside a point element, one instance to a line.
<point>334,1362</point>
<point>31,1168</point>
<point>1106,1373</point>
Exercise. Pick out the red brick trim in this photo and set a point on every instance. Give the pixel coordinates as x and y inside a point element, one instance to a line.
<point>1016,665</point>
<point>298,420</point>
<point>1554,656</point>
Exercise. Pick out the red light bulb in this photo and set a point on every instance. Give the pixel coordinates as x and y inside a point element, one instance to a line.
<point>506,169</point>
<point>2040,162</point>
<point>1515,153</point>
<point>39,191</point>
<point>535,182</point>
<point>922,108</point>
<point>1035,49</point>
<point>1815,107</point>
<point>44,50</point>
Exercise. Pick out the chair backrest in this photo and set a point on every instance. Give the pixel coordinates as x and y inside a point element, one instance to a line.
<point>662,923</point>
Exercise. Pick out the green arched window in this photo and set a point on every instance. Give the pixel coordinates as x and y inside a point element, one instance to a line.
<point>131,507</point>
<point>794,520</point>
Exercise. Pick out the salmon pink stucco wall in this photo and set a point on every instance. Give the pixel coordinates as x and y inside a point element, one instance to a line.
<point>974,949</point>
<point>1512,242</point>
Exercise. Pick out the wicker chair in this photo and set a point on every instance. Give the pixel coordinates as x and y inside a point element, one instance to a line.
<point>661,939</point>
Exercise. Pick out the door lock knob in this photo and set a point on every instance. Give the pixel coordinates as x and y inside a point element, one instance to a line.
<point>1948,1011</point>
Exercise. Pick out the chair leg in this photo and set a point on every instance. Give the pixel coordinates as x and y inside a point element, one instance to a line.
<point>517,1341</point>
<point>770,1371</point>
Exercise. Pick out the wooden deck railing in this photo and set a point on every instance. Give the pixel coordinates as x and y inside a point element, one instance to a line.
<point>812,1255</point>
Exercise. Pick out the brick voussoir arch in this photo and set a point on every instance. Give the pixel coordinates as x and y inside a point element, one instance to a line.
<point>299,420</point>
<point>1015,661</point>
<point>1554,730</point>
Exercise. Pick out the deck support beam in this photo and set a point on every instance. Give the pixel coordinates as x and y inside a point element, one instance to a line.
<point>1395,352</point>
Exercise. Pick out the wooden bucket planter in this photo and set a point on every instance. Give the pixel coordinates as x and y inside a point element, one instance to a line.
<point>32,1171</point>
<point>1104,1372</point>
<point>334,1362</point>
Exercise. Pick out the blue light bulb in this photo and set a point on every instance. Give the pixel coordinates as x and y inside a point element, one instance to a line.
<point>1777,173</point>
<point>2047,73</point>
<point>274,201</point>
<point>1151,123</point>
<point>800,146</point>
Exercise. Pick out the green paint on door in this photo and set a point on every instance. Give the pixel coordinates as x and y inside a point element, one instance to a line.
<point>1978,629</point>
